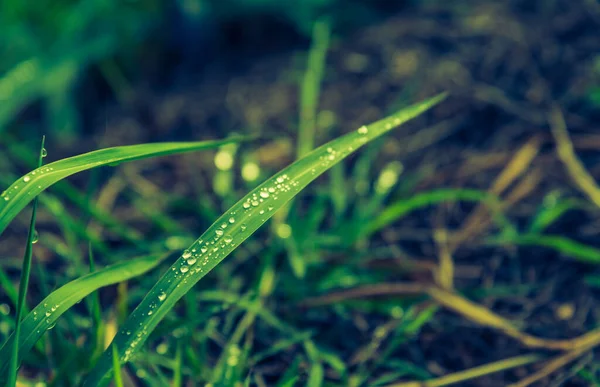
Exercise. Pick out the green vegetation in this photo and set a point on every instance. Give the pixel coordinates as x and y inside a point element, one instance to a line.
<point>390,256</point>
<point>223,237</point>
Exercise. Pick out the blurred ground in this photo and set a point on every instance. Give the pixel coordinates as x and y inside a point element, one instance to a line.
<point>508,65</point>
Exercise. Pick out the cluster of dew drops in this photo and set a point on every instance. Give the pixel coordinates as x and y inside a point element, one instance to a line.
<point>336,154</point>
<point>6,195</point>
<point>48,314</point>
<point>260,203</point>
<point>225,235</point>
<point>202,252</point>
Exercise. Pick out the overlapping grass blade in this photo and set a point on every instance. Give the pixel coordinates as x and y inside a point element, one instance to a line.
<point>231,229</point>
<point>45,315</point>
<point>27,187</point>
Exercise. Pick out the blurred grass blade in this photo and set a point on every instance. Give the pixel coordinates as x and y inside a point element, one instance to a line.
<point>311,86</point>
<point>402,207</point>
<point>232,228</point>
<point>549,215</point>
<point>117,366</point>
<point>22,191</point>
<point>24,284</point>
<point>475,372</point>
<point>563,245</point>
<point>45,315</point>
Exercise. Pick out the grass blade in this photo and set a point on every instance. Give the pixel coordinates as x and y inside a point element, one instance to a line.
<point>24,284</point>
<point>311,87</point>
<point>398,209</point>
<point>232,228</point>
<point>563,245</point>
<point>24,189</point>
<point>117,367</point>
<point>58,302</point>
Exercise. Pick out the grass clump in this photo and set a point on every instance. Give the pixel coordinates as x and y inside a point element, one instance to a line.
<point>225,235</point>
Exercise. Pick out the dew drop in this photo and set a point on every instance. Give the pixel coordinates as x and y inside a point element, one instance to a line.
<point>191,261</point>
<point>203,249</point>
<point>150,313</point>
<point>228,239</point>
<point>35,237</point>
<point>243,227</point>
<point>224,225</point>
<point>162,296</point>
<point>264,194</point>
<point>44,152</point>
<point>186,254</point>
<point>245,205</point>
<point>232,220</point>
<point>219,232</point>
<point>48,313</point>
<point>363,130</point>
<point>26,179</point>
<point>6,198</point>
<point>184,269</point>
<point>255,203</point>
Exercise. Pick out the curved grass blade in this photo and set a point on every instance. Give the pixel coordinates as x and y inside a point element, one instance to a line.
<point>22,191</point>
<point>45,315</point>
<point>577,250</point>
<point>400,208</point>
<point>231,229</point>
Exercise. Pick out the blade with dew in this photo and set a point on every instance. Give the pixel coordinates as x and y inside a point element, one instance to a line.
<point>232,228</point>
<point>45,315</point>
<point>27,187</point>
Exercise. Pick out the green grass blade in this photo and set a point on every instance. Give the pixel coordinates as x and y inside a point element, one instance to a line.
<point>397,210</point>
<point>117,366</point>
<point>22,191</point>
<point>311,86</point>
<point>563,245</point>
<point>24,284</point>
<point>548,216</point>
<point>232,228</point>
<point>177,366</point>
<point>45,315</point>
